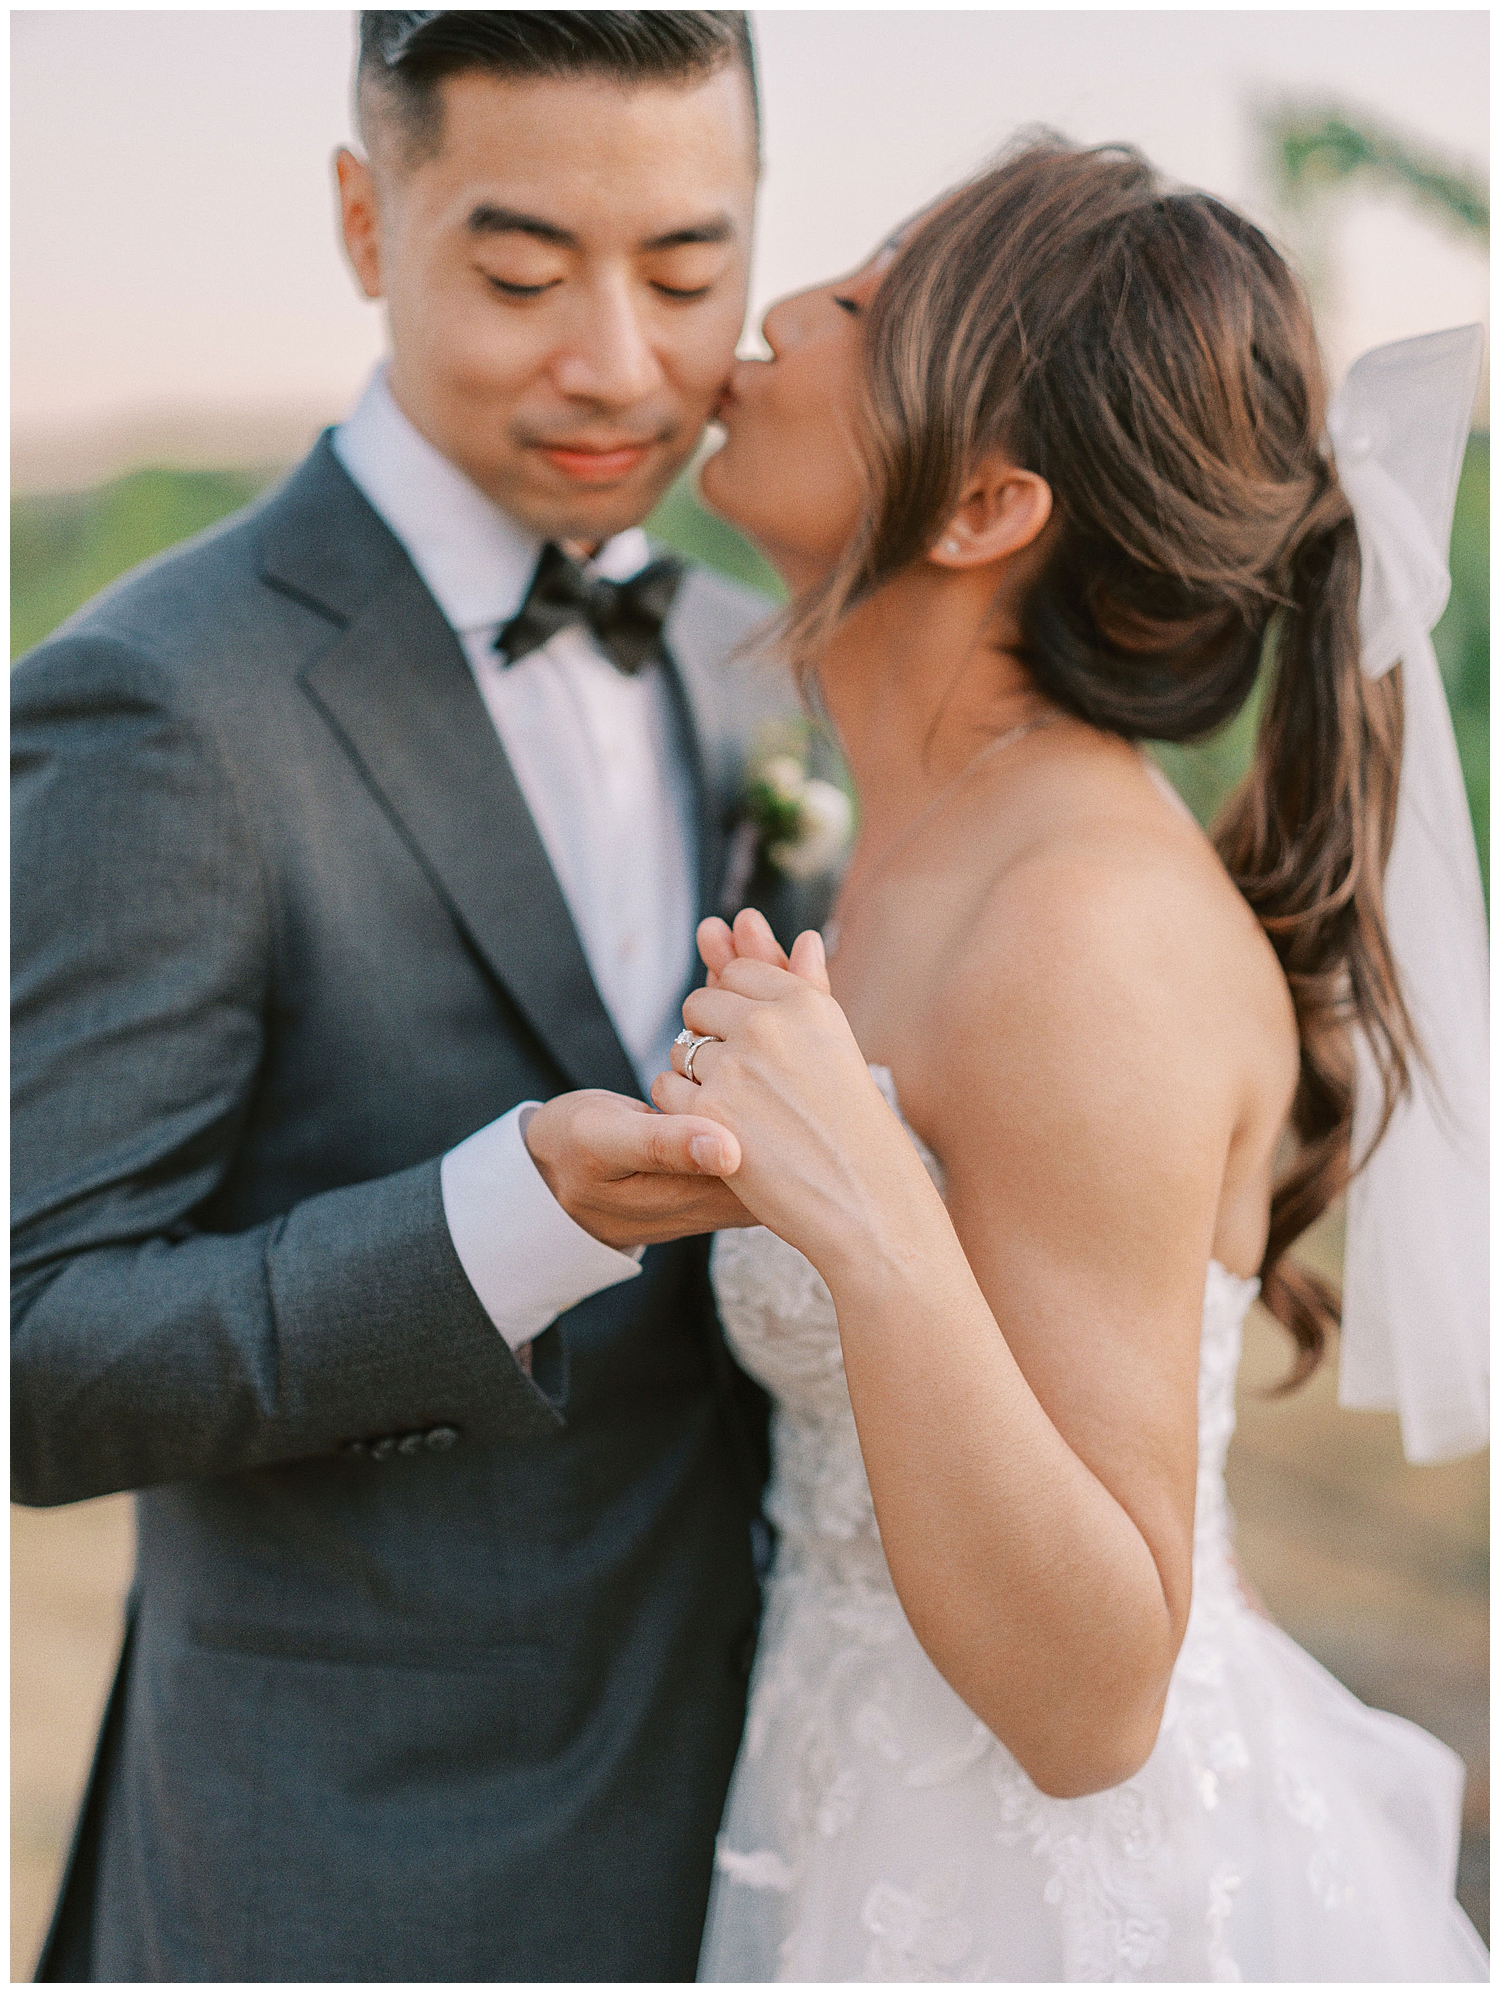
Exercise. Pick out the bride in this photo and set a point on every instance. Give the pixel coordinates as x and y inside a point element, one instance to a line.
<point>1046,477</point>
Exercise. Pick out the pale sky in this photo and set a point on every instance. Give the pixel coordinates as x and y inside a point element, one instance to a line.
<point>173,246</point>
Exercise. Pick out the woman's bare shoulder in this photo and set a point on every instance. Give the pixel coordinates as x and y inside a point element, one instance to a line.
<point>1114,940</point>
<point>1119,871</point>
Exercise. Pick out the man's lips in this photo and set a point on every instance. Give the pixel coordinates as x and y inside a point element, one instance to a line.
<point>592,463</point>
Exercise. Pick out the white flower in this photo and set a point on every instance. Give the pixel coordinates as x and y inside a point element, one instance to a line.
<point>785,777</point>
<point>801,825</point>
<point>825,819</point>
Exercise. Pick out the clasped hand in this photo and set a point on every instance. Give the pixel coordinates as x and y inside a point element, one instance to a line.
<point>631,1177</point>
<point>781,1125</point>
<point>823,1162</point>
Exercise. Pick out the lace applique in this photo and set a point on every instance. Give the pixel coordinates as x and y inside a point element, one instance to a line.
<point>917,1934</point>
<point>761,1869</point>
<point>1327,1873</point>
<point>875,1728</point>
<point>1109,1861</point>
<point>1222,1884</point>
<point>950,1765</point>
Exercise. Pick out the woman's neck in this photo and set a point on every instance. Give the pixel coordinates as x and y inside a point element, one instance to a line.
<point>918,679</point>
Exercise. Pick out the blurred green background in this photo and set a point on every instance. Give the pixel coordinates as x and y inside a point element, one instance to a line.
<point>66,548</point>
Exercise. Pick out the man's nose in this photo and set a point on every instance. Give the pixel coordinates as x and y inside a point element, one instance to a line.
<point>609,356</point>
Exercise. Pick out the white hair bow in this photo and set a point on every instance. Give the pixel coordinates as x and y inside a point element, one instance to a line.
<point>1416,1269</point>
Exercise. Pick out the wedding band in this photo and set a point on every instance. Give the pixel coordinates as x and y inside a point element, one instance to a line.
<point>693,1042</point>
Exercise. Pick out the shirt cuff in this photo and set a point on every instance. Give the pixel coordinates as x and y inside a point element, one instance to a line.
<point>524,1256</point>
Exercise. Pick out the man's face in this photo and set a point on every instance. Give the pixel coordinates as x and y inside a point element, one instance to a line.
<point>565,280</point>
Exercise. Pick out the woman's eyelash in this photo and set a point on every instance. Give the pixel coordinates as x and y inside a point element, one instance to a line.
<point>848,305</point>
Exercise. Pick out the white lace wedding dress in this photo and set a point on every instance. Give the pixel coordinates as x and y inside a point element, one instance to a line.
<point>875,1830</point>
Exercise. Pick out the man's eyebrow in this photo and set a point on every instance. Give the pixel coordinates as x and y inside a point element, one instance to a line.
<point>718,228</point>
<point>489,220</point>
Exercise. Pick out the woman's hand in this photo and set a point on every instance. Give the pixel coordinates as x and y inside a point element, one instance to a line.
<point>825,1164</point>
<point>749,940</point>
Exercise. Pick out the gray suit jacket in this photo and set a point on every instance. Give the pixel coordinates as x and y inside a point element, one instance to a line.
<point>433,1671</point>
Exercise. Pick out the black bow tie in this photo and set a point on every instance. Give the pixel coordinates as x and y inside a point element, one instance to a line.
<point>625,617</point>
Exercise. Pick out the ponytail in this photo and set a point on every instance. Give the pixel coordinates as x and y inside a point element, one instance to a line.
<point>1306,838</point>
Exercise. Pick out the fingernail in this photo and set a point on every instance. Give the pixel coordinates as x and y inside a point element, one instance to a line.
<point>706,1153</point>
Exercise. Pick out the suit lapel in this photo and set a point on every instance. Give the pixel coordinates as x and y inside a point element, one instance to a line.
<point>698,675</point>
<point>738,693</point>
<point>708,815</point>
<point>396,690</point>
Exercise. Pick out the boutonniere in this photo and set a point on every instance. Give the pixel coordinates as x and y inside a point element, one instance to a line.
<point>795,822</point>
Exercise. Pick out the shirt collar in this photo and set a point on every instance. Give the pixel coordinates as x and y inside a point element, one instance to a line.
<point>475,559</point>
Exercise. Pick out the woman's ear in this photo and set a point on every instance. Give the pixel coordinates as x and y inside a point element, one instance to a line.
<point>1003,510</point>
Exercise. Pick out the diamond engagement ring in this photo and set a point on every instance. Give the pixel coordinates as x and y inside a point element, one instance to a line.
<point>693,1041</point>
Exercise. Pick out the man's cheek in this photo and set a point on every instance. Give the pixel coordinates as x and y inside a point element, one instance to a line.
<point>489,370</point>
<point>705,355</point>
<point>700,385</point>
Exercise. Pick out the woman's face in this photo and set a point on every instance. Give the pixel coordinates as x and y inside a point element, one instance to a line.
<point>789,475</point>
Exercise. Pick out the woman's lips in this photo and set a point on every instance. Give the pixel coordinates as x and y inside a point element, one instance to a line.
<point>727,403</point>
<point>588,465</point>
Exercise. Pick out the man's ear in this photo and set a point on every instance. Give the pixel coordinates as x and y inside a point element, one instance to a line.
<point>360,213</point>
<point>1002,511</point>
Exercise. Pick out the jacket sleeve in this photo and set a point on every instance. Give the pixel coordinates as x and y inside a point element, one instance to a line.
<point>144,1347</point>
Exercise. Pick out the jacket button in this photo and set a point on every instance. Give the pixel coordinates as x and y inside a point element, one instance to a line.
<point>440,1438</point>
<point>410,1443</point>
<point>382,1449</point>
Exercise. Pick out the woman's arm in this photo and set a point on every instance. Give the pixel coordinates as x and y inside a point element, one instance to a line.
<point>1022,1364</point>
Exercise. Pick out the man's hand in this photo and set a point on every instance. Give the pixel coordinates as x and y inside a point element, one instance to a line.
<point>632,1177</point>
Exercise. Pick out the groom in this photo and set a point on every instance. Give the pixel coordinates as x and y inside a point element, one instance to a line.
<point>340,836</point>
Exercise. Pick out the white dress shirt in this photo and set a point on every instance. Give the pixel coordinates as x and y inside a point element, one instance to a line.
<point>599,760</point>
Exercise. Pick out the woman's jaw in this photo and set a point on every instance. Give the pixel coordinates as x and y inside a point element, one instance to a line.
<point>789,493</point>
<point>790,474</point>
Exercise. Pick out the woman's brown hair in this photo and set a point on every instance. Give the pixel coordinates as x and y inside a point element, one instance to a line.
<point>1150,355</point>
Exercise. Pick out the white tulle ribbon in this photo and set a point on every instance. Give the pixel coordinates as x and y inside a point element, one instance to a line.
<point>1416,1265</point>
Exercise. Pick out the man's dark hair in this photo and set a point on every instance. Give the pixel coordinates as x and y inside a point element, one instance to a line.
<point>403,57</point>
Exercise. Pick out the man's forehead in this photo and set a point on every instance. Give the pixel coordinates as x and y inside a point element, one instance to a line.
<point>585,117</point>
<point>591,160</point>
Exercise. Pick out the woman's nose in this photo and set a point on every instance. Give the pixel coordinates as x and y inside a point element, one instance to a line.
<point>776,326</point>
